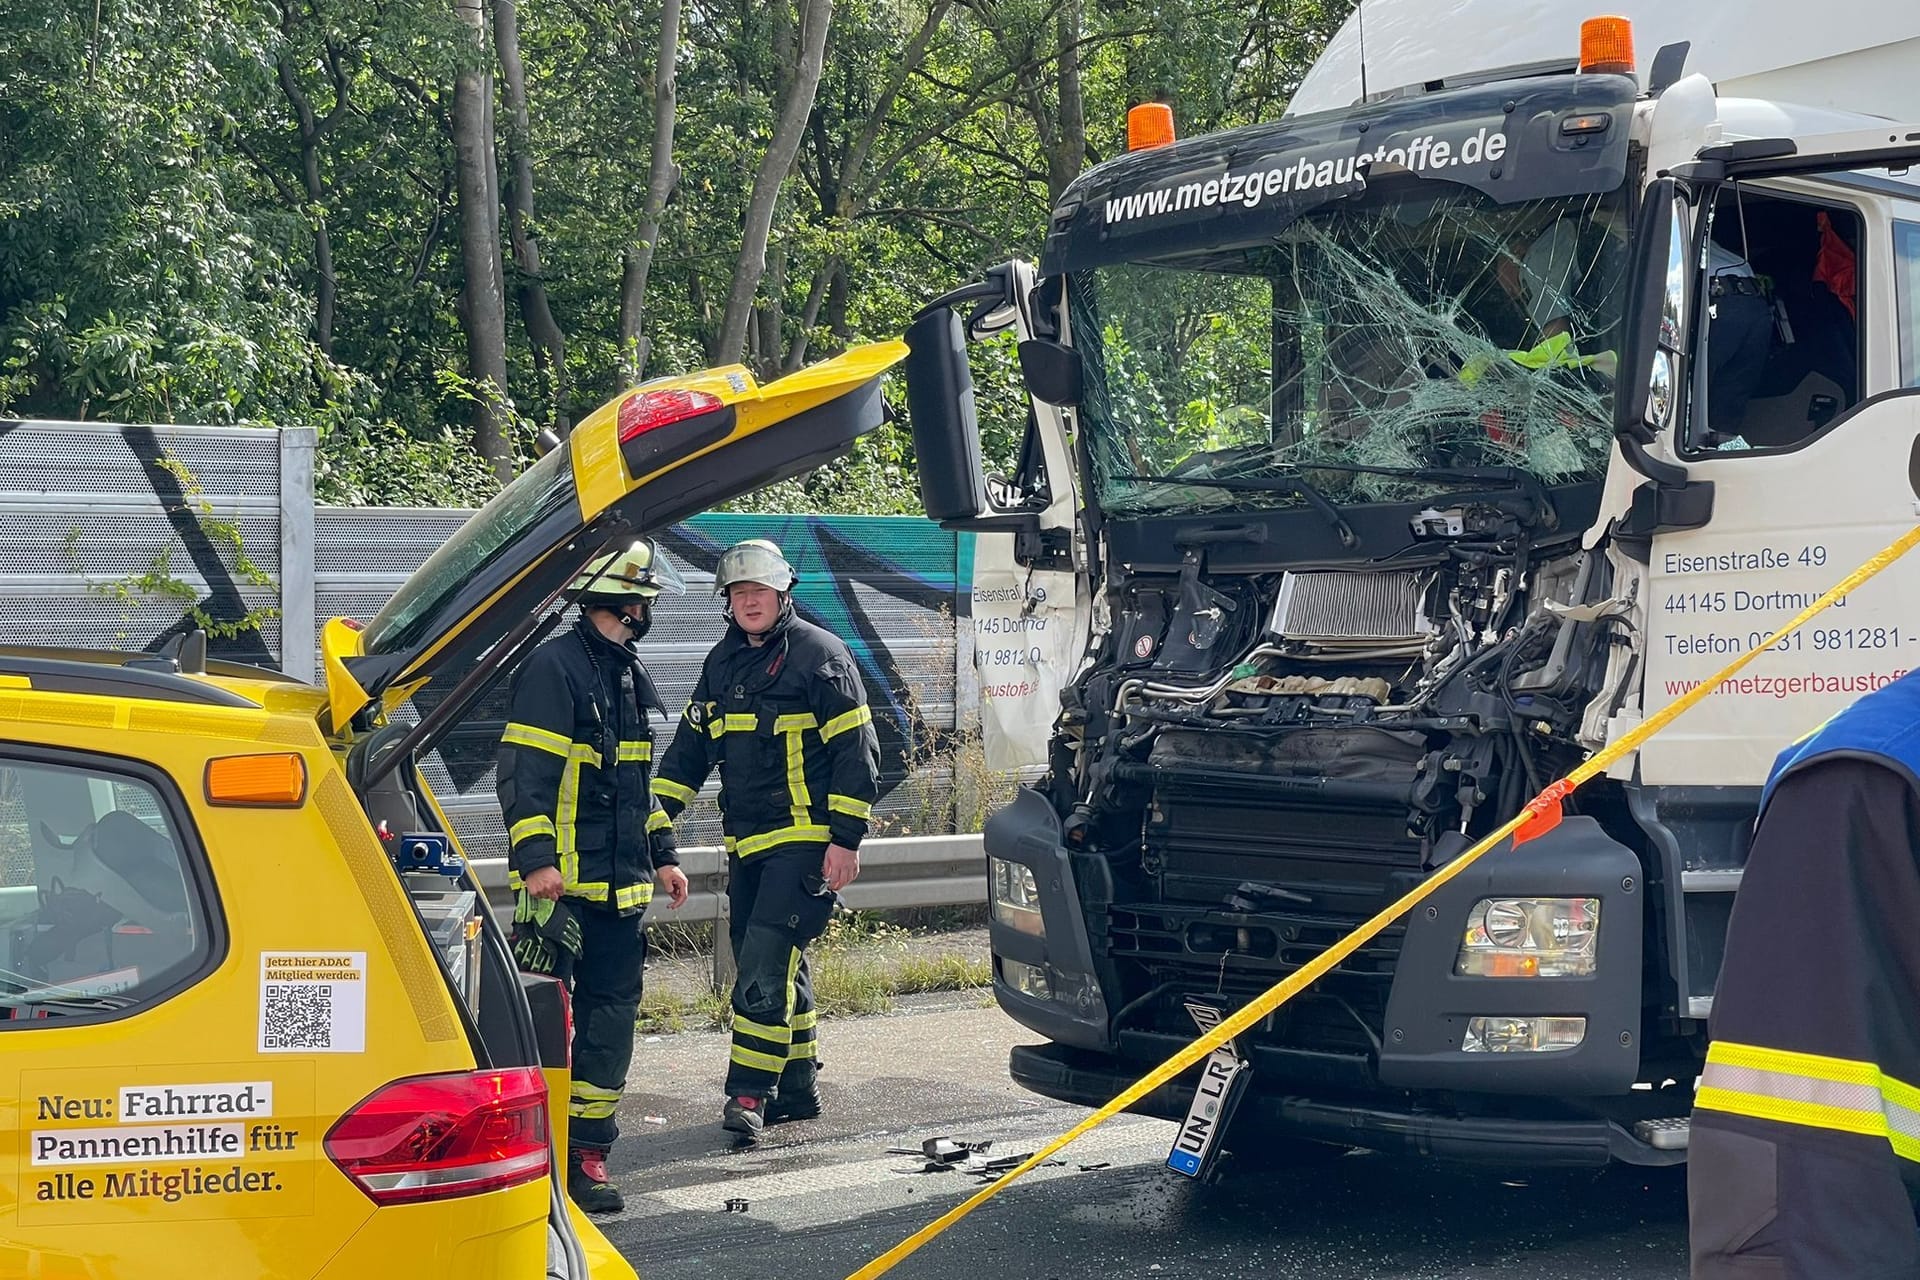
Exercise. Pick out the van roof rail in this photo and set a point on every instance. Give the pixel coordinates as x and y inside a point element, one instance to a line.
<point>102,673</point>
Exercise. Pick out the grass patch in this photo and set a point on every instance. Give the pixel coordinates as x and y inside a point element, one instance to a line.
<point>669,1012</point>
<point>859,965</point>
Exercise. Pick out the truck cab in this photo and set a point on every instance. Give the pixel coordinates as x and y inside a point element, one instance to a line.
<point>1402,453</point>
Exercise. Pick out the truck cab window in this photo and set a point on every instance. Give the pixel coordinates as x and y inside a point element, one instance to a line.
<point>1906,288</point>
<point>1783,354</point>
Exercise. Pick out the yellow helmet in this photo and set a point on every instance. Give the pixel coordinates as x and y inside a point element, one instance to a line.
<point>636,572</point>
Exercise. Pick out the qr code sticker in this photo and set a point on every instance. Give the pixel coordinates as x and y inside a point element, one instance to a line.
<point>296,1015</point>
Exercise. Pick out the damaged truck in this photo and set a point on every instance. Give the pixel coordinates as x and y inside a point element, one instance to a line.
<point>1397,455</point>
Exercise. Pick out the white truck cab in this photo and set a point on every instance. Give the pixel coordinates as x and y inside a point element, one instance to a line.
<point>1402,452</point>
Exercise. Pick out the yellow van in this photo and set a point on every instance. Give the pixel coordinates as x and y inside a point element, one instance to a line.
<point>255,1019</point>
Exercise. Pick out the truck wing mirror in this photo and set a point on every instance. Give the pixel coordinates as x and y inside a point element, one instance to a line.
<point>1653,335</point>
<point>1913,467</point>
<point>1650,338</point>
<point>946,430</point>
<point>1051,371</point>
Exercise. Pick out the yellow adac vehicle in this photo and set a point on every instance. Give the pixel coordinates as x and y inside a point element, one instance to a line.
<point>255,1019</point>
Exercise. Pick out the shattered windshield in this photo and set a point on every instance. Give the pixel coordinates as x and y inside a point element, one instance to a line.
<point>1438,332</point>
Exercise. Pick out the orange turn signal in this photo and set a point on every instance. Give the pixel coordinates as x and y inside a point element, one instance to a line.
<point>273,781</point>
<point>1606,46</point>
<point>1149,125</point>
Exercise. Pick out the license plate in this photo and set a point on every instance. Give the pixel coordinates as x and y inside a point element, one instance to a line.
<point>1223,1078</point>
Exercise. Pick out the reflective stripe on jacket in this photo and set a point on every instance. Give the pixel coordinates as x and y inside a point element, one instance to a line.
<point>787,723</point>
<point>1816,1018</point>
<point>574,767</point>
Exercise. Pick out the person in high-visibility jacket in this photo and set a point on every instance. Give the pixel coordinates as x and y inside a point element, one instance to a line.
<point>1804,1155</point>
<point>781,710</point>
<point>587,841</point>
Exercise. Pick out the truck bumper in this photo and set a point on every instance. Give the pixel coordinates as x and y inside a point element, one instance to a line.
<point>1091,1080</point>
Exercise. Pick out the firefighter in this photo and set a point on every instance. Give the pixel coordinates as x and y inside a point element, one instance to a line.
<point>1805,1148</point>
<point>587,841</point>
<point>780,708</point>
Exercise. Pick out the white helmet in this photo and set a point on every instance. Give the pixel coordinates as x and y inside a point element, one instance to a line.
<point>755,560</point>
<point>636,572</point>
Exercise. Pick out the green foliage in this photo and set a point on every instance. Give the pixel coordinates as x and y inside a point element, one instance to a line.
<point>158,581</point>
<point>171,172</point>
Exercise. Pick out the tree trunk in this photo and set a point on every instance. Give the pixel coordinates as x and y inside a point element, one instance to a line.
<point>839,295</point>
<point>810,313</point>
<point>815,16</point>
<point>482,302</point>
<point>662,174</point>
<point>549,342</point>
<point>772,313</point>
<point>1068,154</point>
<point>311,129</point>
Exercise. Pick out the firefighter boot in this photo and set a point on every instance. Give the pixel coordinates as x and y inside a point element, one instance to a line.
<point>745,1114</point>
<point>587,1183</point>
<point>798,1098</point>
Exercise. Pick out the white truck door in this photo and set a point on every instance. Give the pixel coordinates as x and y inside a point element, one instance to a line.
<point>1787,524</point>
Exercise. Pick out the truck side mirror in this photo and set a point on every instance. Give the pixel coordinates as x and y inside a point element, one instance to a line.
<point>946,430</point>
<point>1655,322</point>
<point>1913,468</point>
<point>1051,371</point>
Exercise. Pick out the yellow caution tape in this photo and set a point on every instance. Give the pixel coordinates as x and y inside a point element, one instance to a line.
<point>1540,813</point>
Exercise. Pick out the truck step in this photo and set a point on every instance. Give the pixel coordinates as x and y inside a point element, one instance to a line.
<point>1668,1134</point>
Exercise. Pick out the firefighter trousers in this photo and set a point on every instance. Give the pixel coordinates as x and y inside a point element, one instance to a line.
<point>605,985</point>
<point>779,905</point>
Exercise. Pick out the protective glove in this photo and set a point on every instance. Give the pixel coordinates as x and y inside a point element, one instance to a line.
<point>545,933</point>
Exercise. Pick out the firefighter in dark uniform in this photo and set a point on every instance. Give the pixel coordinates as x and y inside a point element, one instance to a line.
<point>1804,1158</point>
<point>587,840</point>
<point>780,708</point>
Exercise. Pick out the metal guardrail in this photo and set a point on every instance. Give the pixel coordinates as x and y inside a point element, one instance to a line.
<point>895,872</point>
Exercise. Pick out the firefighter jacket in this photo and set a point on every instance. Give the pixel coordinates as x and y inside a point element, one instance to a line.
<point>787,723</point>
<point>1806,1124</point>
<point>573,772</point>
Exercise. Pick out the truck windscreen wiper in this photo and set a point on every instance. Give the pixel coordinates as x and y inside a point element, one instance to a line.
<point>1507,477</point>
<point>1267,484</point>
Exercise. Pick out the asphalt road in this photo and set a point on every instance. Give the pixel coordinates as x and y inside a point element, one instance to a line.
<point>823,1197</point>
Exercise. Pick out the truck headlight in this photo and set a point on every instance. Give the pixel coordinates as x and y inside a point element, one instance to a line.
<point>1027,979</point>
<point>1530,938</point>
<point>1501,1034</point>
<point>1016,897</point>
<point>1044,983</point>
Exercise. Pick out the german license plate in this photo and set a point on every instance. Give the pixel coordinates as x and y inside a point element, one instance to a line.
<point>1223,1078</point>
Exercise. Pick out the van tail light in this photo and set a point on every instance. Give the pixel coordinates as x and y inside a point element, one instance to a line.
<point>646,411</point>
<point>439,1137</point>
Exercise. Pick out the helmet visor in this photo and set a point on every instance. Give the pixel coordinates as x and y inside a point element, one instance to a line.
<point>639,572</point>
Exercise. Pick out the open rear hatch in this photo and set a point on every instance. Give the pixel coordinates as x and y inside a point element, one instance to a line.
<point>659,453</point>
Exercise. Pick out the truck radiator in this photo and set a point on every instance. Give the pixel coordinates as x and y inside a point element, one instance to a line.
<point>1333,608</point>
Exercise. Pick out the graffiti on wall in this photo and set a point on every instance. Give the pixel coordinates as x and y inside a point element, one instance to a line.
<point>886,585</point>
<point>843,564</point>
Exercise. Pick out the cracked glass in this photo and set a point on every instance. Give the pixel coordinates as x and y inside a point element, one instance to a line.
<point>1441,331</point>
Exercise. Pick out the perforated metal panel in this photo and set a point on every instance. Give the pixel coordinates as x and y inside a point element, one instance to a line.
<point>110,534</point>
<point>87,460</point>
<point>885,585</point>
